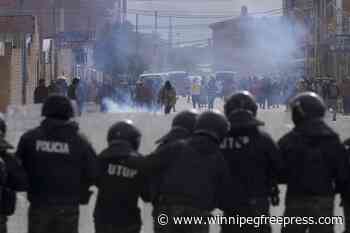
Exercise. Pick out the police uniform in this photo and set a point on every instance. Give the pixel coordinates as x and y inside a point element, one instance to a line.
<point>119,185</point>
<point>13,179</point>
<point>61,166</point>
<point>191,184</point>
<point>315,165</point>
<point>254,162</point>
<point>119,189</point>
<point>345,196</point>
<point>193,176</point>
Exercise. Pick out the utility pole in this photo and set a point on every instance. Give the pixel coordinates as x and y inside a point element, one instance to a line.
<point>155,41</point>
<point>170,39</point>
<point>55,42</point>
<point>170,32</point>
<point>120,18</point>
<point>125,9</point>
<point>137,34</point>
<point>316,7</point>
<point>24,67</point>
<point>156,22</point>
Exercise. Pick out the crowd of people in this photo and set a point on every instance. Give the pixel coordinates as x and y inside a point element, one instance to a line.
<point>206,161</point>
<point>271,91</point>
<point>140,95</point>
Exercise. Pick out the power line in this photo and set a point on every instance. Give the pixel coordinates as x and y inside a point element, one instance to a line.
<point>202,13</point>
<point>163,13</point>
<point>198,16</point>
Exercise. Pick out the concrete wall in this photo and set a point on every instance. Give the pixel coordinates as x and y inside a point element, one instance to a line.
<point>16,78</point>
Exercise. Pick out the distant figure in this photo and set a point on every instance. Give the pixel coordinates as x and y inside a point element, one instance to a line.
<point>62,86</point>
<point>82,95</point>
<point>167,97</point>
<point>73,88</point>
<point>105,91</point>
<point>203,98</point>
<point>53,88</point>
<point>229,87</point>
<point>196,92</point>
<point>41,92</point>
<point>333,95</point>
<point>212,90</point>
<point>143,96</point>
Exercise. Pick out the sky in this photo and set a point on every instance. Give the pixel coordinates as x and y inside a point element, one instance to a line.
<point>192,29</point>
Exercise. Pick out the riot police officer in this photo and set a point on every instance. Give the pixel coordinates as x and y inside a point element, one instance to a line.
<point>181,128</point>
<point>119,185</point>
<point>61,166</point>
<point>13,179</point>
<point>254,163</point>
<point>345,195</point>
<point>314,161</point>
<point>193,175</point>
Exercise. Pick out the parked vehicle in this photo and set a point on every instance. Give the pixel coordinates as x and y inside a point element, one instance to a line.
<point>153,80</point>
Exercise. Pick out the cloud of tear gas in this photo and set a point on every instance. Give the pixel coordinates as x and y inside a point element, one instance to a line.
<point>271,43</point>
<point>113,106</point>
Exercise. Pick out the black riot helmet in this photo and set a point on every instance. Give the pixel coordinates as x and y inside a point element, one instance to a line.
<point>241,110</point>
<point>185,119</point>
<point>125,131</point>
<point>213,124</point>
<point>242,100</point>
<point>183,122</point>
<point>307,106</point>
<point>58,107</point>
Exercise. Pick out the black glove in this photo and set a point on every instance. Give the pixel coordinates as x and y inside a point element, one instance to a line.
<point>85,197</point>
<point>342,200</point>
<point>275,198</point>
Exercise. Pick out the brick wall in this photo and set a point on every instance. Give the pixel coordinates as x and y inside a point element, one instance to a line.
<point>346,5</point>
<point>5,63</point>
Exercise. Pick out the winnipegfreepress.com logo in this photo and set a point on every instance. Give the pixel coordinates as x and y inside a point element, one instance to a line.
<point>164,219</point>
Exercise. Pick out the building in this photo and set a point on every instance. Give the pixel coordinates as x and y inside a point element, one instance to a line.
<point>70,27</point>
<point>19,60</point>
<point>327,47</point>
<point>59,40</point>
